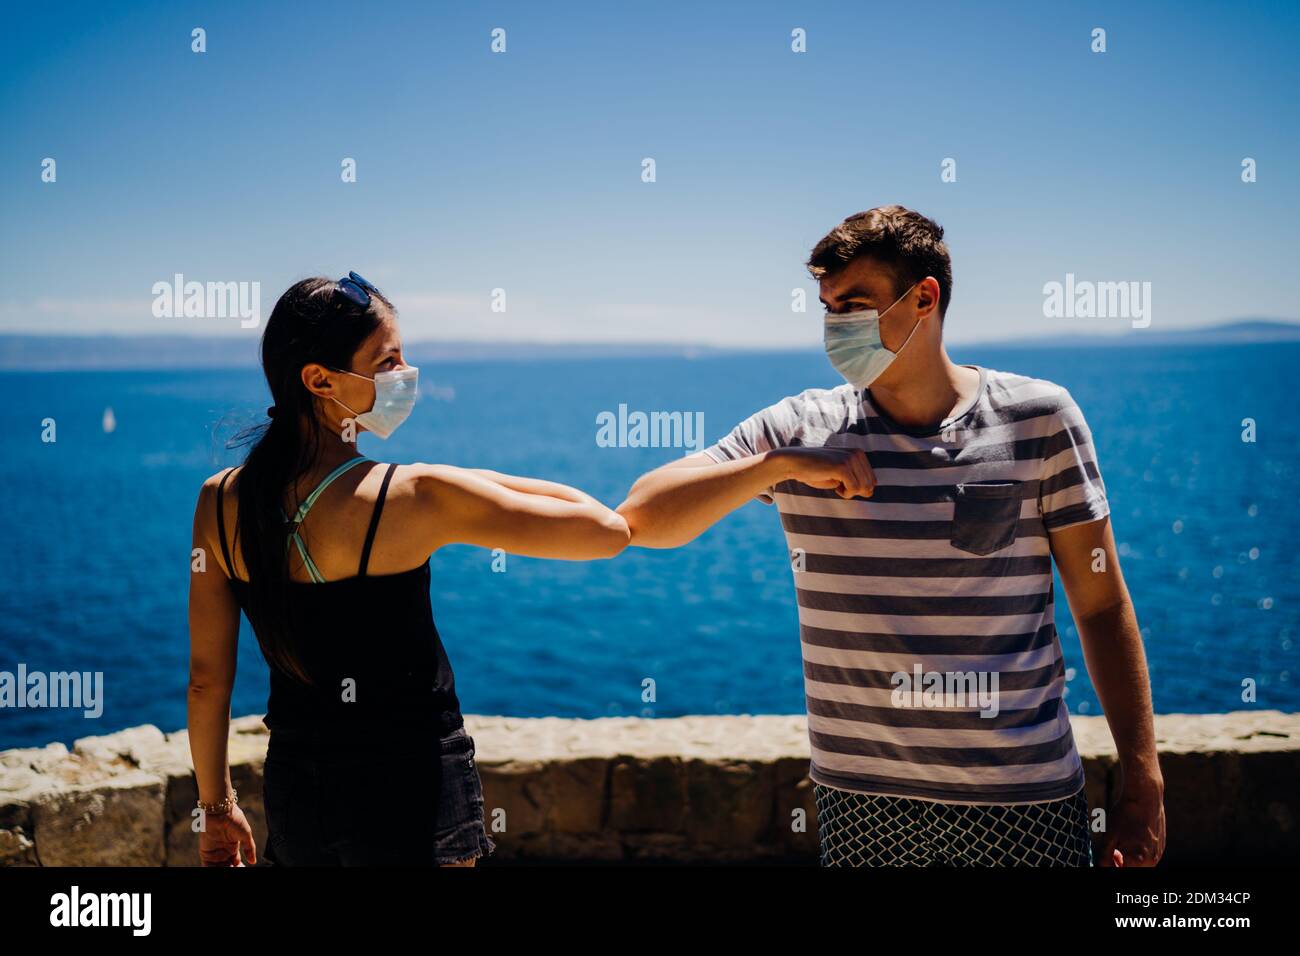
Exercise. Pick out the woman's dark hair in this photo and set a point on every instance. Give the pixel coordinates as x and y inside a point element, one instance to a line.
<point>310,323</point>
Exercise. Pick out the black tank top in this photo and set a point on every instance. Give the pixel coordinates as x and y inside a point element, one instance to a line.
<point>376,631</point>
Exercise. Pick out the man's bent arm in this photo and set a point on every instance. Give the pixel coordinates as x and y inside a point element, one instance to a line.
<point>680,501</point>
<point>675,504</point>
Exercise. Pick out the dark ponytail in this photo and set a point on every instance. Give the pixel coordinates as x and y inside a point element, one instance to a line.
<point>310,323</point>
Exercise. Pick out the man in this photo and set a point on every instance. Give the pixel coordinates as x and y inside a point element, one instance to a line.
<point>923,503</point>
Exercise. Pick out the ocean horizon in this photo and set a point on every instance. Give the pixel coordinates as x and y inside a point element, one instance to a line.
<point>99,532</point>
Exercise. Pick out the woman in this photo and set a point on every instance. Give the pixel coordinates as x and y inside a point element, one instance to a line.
<point>327,553</point>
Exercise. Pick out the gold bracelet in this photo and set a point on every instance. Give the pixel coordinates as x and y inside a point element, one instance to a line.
<point>222,808</point>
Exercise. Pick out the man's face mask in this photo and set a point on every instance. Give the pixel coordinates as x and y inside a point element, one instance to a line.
<point>853,344</point>
<point>395,394</point>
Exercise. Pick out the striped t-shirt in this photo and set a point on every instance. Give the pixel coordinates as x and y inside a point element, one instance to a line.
<point>932,667</point>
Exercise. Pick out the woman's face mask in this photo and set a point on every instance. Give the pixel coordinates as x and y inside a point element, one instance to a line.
<point>395,394</point>
<point>853,344</point>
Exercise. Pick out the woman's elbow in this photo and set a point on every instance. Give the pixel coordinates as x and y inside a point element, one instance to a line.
<point>613,534</point>
<point>209,683</point>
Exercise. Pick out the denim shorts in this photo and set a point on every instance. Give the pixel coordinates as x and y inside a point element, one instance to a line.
<point>385,802</point>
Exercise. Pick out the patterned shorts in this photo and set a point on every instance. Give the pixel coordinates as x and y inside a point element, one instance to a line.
<point>861,829</point>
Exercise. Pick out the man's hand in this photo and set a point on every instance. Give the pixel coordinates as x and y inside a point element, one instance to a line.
<point>846,470</point>
<point>1135,826</point>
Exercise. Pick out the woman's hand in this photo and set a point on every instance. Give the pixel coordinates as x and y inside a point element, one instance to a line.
<point>222,837</point>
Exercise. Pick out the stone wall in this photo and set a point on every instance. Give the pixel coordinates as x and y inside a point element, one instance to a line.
<point>688,789</point>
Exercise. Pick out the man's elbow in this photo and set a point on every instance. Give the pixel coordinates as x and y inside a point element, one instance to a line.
<point>1105,613</point>
<point>645,530</point>
<point>637,520</point>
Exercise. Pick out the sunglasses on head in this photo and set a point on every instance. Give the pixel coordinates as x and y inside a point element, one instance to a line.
<point>356,289</point>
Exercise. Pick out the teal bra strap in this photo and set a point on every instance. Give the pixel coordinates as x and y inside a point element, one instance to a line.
<point>312,571</point>
<point>305,507</point>
<point>328,480</point>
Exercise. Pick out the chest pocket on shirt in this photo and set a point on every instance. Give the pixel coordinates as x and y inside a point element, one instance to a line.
<point>985,515</point>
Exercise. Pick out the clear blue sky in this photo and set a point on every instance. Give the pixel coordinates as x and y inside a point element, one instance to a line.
<point>523,170</point>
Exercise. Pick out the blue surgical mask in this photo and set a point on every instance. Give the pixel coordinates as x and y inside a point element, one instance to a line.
<point>395,394</point>
<point>853,344</point>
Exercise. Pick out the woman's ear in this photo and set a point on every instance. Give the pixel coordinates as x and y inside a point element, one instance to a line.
<point>316,379</point>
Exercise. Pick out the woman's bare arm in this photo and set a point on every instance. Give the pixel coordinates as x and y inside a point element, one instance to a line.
<point>523,516</point>
<point>214,640</point>
<point>535,486</point>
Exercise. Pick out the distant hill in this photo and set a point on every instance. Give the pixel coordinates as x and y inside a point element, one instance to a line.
<point>106,352</point>
<point>1239,331</point>
<point>51,352</point>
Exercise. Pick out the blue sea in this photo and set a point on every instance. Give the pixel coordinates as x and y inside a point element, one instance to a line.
<point>96,537</point>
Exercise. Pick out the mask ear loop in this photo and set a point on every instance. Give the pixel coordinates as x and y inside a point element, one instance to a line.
<point>909,337</point>
<point>350,411</point>
<point>344,371</point>
<point>914,327</point>
<point>900,298</point>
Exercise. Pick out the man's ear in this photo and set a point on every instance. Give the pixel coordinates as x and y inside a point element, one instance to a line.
<point>927,297</point>
<point>316,379</point>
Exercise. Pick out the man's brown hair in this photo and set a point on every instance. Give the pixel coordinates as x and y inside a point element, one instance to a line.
<point>905,241</point>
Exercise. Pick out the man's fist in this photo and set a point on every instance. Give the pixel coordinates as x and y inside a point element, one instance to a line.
<point>846,470</point>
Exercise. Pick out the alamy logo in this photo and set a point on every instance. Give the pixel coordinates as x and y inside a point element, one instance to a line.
<point>208,300</point>
<point>963,690</point>
<point>72,689</point>
<point>1098,300</point>
<point>650,429</point>
<point>102,909</point>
